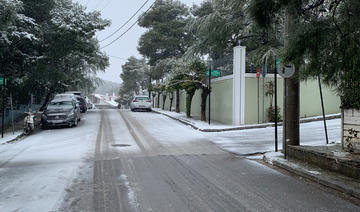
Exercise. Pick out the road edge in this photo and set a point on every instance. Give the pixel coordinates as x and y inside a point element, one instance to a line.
<point>321,179</point>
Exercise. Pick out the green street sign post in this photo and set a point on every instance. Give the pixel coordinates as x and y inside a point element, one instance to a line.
<point>214,73</point>
<point>3,81</point>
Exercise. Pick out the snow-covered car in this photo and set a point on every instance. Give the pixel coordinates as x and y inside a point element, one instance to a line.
<point>141,103</point>
<point>64,96</point>
<point>61,112</point>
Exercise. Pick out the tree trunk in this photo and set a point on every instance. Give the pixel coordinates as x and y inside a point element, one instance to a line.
<point>291,107</point>
<point>204,95</point>
<point>189,96</point>
<point>46,101</point>
<point>171,101</point>
<point>153,99</point>
<point>158,100</point>
<point>177,105</point>
<point>164,100</point>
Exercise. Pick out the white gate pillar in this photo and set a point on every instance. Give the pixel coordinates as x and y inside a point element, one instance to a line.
<point>239,85</point>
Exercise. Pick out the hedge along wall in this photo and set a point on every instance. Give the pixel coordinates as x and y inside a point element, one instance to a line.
<point>310,104</point>
<point>221,101</point>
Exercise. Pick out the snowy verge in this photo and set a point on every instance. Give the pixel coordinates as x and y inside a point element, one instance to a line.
<point>333,180</point>
<point>218,127</point>
<point>9,136</point>
<point>112,103</point>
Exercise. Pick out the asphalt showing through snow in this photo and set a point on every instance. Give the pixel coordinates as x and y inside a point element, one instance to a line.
<point>147,162</point>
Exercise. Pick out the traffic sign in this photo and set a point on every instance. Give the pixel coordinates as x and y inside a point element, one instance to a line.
<point>286,70</point>
<point>277,62</point>
<point>2,81</point>
<point>258,73</point>
<point>214,73</point>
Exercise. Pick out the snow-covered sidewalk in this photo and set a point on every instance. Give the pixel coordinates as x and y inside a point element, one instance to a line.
<point>9,136</point>
<point>219,127</point>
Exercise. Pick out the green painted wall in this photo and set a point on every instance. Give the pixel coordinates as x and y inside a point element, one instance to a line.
<point>222,101</point>
<point>310,104</point>
<point>251,100</point>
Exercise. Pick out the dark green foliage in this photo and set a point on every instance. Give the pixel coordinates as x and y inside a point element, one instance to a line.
<point>166,36</point>
<point>330,45</point>
<point>218,26</point>
<point>51,46</point>
<point>271,114</point>
<point>134,77</point>
<point>263,12</point>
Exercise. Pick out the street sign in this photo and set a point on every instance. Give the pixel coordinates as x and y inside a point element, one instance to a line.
<point>258,73</point>
<point>277,62</point>
<point>214,73</point>
<point>286,70</point>
<point>2,81</point>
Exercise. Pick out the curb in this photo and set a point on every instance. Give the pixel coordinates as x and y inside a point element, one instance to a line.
<point>14,139</point>
<point>257,126</point>
<point>341,187</point>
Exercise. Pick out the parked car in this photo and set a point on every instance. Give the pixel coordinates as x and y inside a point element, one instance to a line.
<point>61,112</point>
<point>82,103</point>
<point>141,103</point>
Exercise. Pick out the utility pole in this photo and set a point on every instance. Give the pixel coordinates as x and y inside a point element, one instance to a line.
<point>292,90</point>
<point>211,68</point>
<point>3,107</point>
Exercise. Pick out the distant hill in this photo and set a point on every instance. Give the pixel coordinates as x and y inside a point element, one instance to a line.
<point>108,87</point>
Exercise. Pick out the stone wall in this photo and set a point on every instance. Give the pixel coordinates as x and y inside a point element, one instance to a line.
<point>351,130</point>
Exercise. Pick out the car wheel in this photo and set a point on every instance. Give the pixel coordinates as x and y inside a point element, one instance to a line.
<point>132,110</point>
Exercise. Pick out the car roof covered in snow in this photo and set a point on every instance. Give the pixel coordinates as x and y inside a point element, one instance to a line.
<point>63,99</point>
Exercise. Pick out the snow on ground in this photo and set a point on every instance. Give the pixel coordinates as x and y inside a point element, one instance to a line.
<point>260,140</point>
<point>8,136</point>
<point>36,171</point>
<point>112,102</point>
<point>263,139</point>
<point>197,123</point>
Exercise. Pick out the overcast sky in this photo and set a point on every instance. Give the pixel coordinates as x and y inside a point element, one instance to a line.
<point>119,11</point>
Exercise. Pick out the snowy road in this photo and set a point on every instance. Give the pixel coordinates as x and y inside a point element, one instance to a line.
<point>116,160</point>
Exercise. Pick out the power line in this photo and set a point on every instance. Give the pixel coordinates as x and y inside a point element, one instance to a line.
<point>107,4</point>
<point>120,58</point>
<point>130,26</point>
<point>126,21</point>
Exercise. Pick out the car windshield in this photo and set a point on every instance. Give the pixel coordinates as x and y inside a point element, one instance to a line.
<point>142,99</point>
<point>63,104</point>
